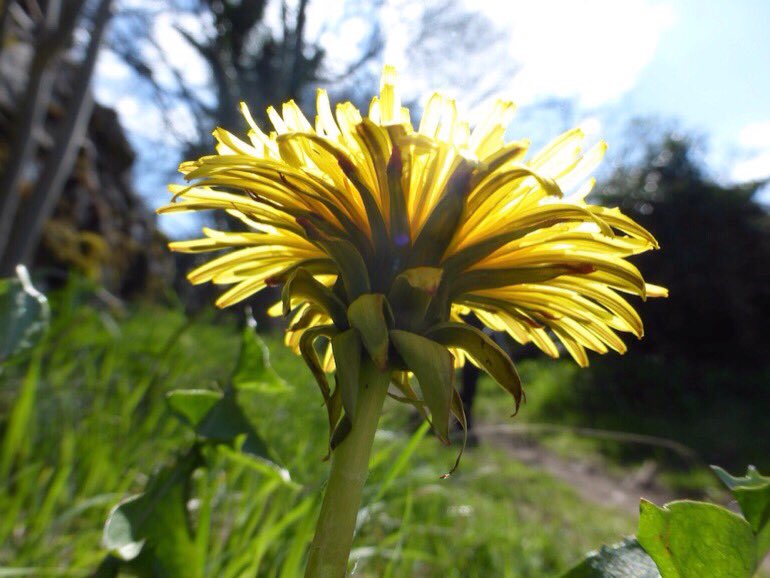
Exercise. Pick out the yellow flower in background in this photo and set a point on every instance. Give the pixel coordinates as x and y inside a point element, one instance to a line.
<point>386,238</point>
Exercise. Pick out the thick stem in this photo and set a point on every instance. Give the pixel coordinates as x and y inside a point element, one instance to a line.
<point>350,465</point>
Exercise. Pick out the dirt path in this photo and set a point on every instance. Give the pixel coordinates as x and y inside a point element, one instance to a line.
<point>590,477</point>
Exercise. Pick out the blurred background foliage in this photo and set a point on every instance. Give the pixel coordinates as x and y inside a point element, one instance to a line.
<point>127,327</point>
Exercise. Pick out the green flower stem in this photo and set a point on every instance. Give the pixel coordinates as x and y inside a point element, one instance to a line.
<point>350,466</point>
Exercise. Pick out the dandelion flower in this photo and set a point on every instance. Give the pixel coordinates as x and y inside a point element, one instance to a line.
<point>387,238</point>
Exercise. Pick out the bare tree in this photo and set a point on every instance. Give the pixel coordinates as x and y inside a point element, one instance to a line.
<point>248,59</point>
<point>52,33</point>
<point>68,138</point>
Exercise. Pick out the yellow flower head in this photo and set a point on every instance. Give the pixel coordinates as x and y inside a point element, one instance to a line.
<point>386,239</point>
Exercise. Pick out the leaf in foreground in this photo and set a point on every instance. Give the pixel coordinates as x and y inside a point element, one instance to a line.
<point>752,492</point>
<point>24,314</point>
<point>152,530</point>
<point>695,539</point>
<point>627,559</point>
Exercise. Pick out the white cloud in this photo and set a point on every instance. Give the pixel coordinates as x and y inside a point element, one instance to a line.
<point>592,50</point>
<point>754,168</point>
<point>753,162</point>
<point>755,135</point>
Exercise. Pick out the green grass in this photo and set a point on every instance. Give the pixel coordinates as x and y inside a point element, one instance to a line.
<point>83,422</point>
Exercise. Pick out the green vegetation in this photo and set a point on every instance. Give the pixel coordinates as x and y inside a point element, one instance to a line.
<point>96,424</point>
<point>682,432</point>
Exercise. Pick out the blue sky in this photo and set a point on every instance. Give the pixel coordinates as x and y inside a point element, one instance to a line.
<point>712,71</point>
<point>705,65</point>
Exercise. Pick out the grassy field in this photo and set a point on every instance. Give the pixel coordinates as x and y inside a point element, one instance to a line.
<point>84,422</point>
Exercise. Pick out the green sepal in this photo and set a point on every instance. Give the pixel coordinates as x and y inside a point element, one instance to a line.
<point>426,279</point>
<point>752,492</point>
<point>544,217</point>
<point>340,432</point>
<point>479,279</point>
<point>302,284</point>
<point>409,395</point>
<point>441,225</point>
<point>411,295</point>
<point>399,217</point>
<point>315,266</point>
<point>372,209</point>
<point>484,351</point>
<point>376,222</point>
<point>433,365</point>
<point>334,412</point>
<point>305,319</point>
<point>347,357</point>
<point>458,410</point>
<point>351,266</point>
<point>332,400</point>
<point>464,258</point>
<point>370,315</point>
<point>310,355</point>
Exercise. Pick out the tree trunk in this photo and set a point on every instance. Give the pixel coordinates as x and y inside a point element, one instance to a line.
<point>68,138</point>
<point>55,31</point>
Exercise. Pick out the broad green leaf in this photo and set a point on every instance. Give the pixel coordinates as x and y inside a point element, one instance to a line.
<point>253,370</point>
<point>218,418</point>
<point>347,358</point>
<point>256,463</point>
<point>752,493</point>
<point>226,422</point>
<point>302,285</point>
<point>695,539</point>
<point>627,559</point>
<point>367,315</point>
<point>433,366</point>
<point>156,525</point>
<point>192,405</point>
<point>24,314</point>
<point>484,351</point>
